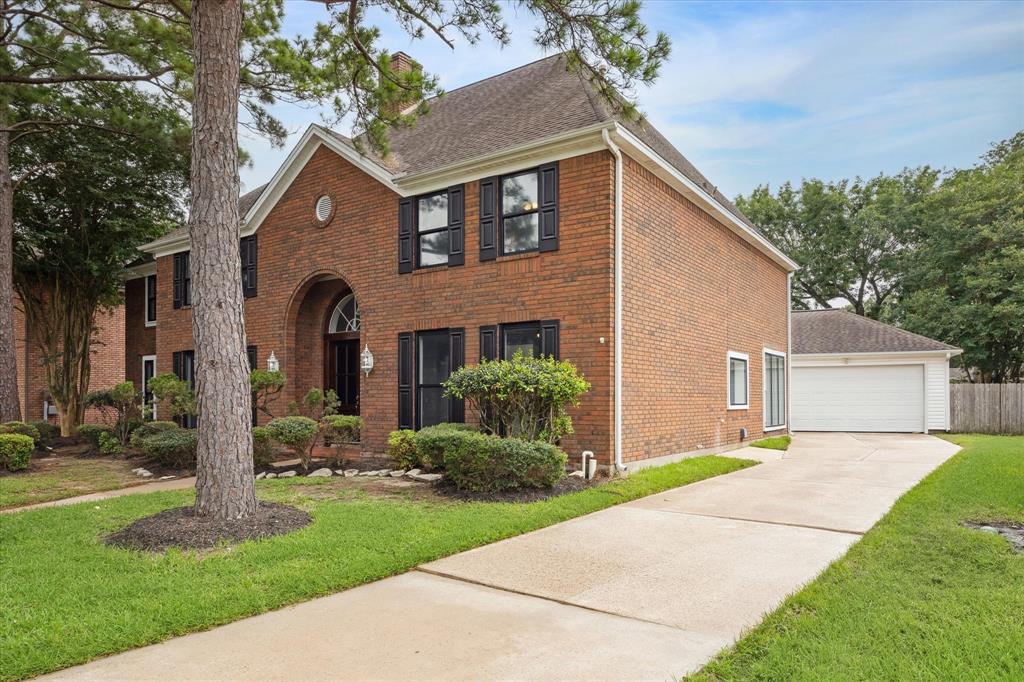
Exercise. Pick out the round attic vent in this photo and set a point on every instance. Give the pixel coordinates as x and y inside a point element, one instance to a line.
<point>324,208</point>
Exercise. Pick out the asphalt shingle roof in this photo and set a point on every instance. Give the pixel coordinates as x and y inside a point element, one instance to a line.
<point>840,331</point>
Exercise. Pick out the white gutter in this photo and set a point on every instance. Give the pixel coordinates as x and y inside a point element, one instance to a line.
<point>789,351</point>
<point>617,391</point>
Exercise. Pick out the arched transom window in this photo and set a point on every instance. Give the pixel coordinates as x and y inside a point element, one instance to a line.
<point>345,317</point>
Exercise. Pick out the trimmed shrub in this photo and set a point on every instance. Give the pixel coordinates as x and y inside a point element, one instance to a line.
<point>147,429</point>
<point>433,441</point>
<point>483,463</point>
<point>110,444</point>
<point>119,405</point>
<point>262,446</point>
<point>15,451</point>
<point>173,448</point>
<point>47,432</point>
<point>91,433</point>
<point>298,433</point>
<point>343,428</point>
<point>23,429</point>
<point>402,449</point>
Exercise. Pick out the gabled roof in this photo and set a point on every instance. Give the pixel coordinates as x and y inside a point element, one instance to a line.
<point>839,331</point>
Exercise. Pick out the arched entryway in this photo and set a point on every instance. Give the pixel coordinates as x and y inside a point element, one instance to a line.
<point>323,331</point>
<point>341,353</point>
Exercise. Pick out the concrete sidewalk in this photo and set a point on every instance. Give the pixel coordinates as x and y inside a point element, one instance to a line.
<point>647,590</point>
<point>151,487</point>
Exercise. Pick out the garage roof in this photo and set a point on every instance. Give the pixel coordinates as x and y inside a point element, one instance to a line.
<point>839,331</point>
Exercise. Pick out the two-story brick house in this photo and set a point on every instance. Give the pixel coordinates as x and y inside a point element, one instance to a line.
<point>520,213</point>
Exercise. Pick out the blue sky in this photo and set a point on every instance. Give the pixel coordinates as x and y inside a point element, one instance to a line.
<point>758,93</point>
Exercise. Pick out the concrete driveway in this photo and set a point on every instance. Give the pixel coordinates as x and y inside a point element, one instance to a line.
<point>647,590</point>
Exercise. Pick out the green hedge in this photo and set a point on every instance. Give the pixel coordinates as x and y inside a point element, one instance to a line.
<point>433,441</point>
<point>147,429</point>
<point>173,447</point>
<point>344,428</point>
<point>91,433</point>
<point>23,429</point>
<point>262,446</point>
<point>15,451</point>
<point>47,432</point>
<point>483,463</point>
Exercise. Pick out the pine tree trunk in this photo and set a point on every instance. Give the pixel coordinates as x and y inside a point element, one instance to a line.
<point>224,471</point>
<point>9,405</point>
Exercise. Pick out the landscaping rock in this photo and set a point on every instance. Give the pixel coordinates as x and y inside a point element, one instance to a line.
<point>397,473</point>
<point>577,474</point>
<point>287,474</point>
<point>412,472</point>
<point>146,474</point>
<point>367,473</point>
<point>261,475</point>
<point>271,475</point>
<point>349,473</point>
<point>427,478</point>
<point>320,473</point>
<point>167,478</point>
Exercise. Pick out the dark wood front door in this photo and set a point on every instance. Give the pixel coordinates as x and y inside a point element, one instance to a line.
<point>343,373</point>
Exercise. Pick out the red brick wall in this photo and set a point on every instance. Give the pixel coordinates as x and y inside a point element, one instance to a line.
<point>572,285</point>
<point>140,340</point>
<point>693,290</point>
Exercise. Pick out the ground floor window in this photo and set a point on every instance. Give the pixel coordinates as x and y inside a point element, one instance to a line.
<point>774,389</point>
<point>531,339</point>
<point>184,367</point>
<point>425,361</point>
<point>738,378</point>
<point>148,372</point>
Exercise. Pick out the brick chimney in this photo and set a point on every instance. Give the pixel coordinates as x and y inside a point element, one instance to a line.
<point>402,63</point>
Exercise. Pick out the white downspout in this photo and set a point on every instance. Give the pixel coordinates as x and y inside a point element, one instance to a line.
<point>617,390</point>
<point>789,351</point>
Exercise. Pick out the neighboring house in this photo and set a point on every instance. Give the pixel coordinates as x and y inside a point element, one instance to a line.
<point>520,214</point>
<point>852,373</point>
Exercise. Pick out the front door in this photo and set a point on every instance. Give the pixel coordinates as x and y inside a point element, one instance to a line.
<point>343,374</point>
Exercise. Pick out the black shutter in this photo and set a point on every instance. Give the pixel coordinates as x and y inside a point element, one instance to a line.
<point>176,363</point>
<point>405,220</point>
<point>549,338</point>
<point>456,225</point>
<point>489,343</point>
<point>405,373</point>
<point>179,280</point>
<point>186,278</point>
<point>456,359</point>
<point>250,353</point>
<point>247,247</point>
<point>489,219</point>
<point>548,190</point>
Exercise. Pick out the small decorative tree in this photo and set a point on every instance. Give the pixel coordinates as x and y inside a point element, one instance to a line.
<point>266,385</point>
<point>120,407</point>
<point>524,397</point>
<point>298,433</point>
<point>174,394</point>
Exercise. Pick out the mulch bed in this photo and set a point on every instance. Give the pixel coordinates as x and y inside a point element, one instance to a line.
<point>180,527</point>
<point>569,484</point>
<point>1011,530</point>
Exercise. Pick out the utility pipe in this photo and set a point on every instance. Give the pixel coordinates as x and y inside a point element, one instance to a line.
<point>617,390</point>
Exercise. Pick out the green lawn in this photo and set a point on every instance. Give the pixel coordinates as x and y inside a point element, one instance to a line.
<point>773,443</point>
<point>64,477</point>
<point>66,598</point>
<point>918,598</point>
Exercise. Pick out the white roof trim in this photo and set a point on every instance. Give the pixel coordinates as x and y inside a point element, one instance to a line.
<point>641,152</point>
<point>878,354</point>
<point>140,270</point>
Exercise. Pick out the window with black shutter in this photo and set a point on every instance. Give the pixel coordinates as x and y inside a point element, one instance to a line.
<point>150,300</point>
<point>519,212</point>
<point>431,230</point>
<point>182,280</point>
<point>183,364</point>
<point>438,354</point>
<point>489,343</point>
<point>247,247</point>
<point>531,339</point>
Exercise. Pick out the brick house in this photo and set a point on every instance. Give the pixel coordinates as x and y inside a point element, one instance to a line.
<point>519,214</point>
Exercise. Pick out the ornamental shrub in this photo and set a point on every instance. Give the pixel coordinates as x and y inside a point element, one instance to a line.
<point>15,451</point>
<point>262,446</point>
<point>48,432</point>
<point>110,444</point>
<point>484,463</point>
<point>23,429</point>
<point>91,433</point>
<point>524,397</point>
<point>147,429</point>
<point>173,394</point>
<point>120,404</point>
<point>173,447</point>
<point>343,428</point>
<point>433,441</point>
<point>402,449</point>
<point>266,385</point>
<point>297,433</point>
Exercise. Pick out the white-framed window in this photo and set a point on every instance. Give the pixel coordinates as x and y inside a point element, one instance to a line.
<point>148,372</point>
<point>774,390</point>
<point>345,317</point>
<point>151,301</point>
<point>738,380</point>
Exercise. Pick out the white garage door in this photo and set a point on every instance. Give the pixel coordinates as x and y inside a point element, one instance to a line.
<point>858,398</point>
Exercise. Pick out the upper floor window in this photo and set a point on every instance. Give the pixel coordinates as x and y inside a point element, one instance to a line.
<point>182,280</point>
<point>430,230</point>
<point>739,380</point>
<point>151,300</point>
<point>247,247</point>
<point>519,212</point>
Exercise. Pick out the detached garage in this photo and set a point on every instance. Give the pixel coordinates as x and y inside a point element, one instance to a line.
<point>851,373</point>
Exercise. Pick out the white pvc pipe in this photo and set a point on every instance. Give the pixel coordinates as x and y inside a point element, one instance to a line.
<point>617,391</point>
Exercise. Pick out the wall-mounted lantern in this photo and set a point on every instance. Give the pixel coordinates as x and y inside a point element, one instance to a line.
<point>272,364</point>
<point>366,360</point>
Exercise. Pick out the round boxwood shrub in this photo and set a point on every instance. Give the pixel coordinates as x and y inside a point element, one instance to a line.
<point>262,446</point>
<point>173,448</point>
<point>48,432</point>
<point>484,463</point>
<point>15,451</point>
<point>402,449</point>
<point>344,428</point>
<point>298,433</point>
<point>91,433</point>
<point>147,429</point>
<point>23,429</point>
<point>433,441</point>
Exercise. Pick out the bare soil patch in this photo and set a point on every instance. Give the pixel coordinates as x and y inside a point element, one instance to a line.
<point>180,527</point>
<point>1011,530</point>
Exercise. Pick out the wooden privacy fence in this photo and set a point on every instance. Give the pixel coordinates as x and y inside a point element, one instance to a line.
<point>986,408</point>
